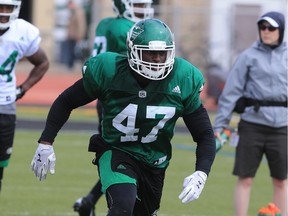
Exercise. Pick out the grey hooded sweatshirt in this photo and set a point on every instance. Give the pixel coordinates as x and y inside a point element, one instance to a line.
<point>260,73</point>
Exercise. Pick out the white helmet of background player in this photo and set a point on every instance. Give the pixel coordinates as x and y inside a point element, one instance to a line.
<point>129,9</point>
<point>12,15</point>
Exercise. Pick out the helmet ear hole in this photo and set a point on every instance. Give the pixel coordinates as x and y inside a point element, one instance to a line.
<point>130,44</point>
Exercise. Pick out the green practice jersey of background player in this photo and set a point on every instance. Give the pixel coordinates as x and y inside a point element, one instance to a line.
<point>111,35</point>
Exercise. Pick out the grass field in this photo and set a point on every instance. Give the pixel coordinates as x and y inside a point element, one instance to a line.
<point>23,195</point>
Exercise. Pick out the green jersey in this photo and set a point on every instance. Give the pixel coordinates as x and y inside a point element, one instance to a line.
<point>141,120</point>
<point>111,35</point>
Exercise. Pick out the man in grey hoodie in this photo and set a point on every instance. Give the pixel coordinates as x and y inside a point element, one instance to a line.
<point>257,88</point>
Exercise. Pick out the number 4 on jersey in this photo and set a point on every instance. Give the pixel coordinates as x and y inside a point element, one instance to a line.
<point>8,65</point>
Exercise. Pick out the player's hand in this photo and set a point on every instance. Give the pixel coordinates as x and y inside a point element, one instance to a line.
<point>43,160</point>
<point>193,186</point>
<point>20,92</point>
<point>218,135</point>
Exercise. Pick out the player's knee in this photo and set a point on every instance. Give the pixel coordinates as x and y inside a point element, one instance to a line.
<point>122,207</point>
<point>119,211</point>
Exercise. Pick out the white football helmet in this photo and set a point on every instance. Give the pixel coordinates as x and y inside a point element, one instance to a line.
<point>126,9</point>
<point>150,35</point>
<point>13,15</point>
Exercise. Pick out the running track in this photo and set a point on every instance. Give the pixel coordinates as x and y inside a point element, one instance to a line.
<point>50,86</point>
<point>57,79</point>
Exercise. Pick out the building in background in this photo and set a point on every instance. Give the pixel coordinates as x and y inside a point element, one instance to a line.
<point>41,14</point>
<point>232,26</point>
<point>206,31</point>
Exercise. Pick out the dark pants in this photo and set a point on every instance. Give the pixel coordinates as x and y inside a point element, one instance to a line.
<point>7,130</point>
<point>124,197</point>
<point>131,186</point>
<point>255,141</point>
<point>69,53</point>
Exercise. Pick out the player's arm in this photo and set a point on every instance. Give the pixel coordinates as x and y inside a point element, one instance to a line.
<point>201,130</point>
<point>41,65</point>
<point>73,97</point>
<point>199,125</point>
<point>44,158</point>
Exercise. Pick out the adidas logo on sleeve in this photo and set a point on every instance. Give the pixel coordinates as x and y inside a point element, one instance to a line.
<point>176,89</point>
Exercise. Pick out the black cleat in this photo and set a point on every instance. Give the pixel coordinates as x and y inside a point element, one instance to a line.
<point>84,207</point>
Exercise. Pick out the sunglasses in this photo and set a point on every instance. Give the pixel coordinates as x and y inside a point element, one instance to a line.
<point>264,27</point>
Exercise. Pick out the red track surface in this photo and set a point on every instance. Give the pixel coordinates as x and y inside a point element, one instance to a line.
<point>57,79</point>
<point>50,86</point>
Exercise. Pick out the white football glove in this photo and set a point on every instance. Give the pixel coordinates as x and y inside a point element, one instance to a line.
<point>43,160</point>
<point>193,186</point>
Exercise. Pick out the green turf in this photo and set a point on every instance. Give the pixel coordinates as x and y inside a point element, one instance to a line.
<point>86,113</point>
<point>23,195</point>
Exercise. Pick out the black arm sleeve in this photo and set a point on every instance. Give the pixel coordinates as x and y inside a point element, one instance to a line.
<point>73,97</point>
<point>201,130</point>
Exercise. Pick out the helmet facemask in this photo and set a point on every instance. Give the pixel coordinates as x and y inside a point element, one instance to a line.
<point>13,15</point>
<point>127,9</point>
<point>150,70</point>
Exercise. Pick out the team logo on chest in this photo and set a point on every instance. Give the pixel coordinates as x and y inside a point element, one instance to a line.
<point>142,94</point>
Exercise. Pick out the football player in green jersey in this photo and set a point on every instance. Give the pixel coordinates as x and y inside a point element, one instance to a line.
<point>111,32</point>
<point>143,94</point>
<point>110,36</point>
